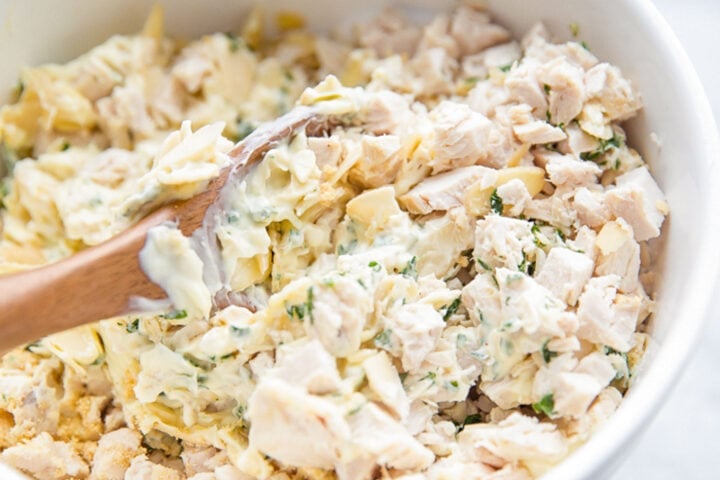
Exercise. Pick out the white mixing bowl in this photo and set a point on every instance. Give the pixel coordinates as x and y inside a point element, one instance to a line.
<point>628,33</point>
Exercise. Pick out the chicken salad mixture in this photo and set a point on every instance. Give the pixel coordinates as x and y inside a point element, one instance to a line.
<point>451,282</point>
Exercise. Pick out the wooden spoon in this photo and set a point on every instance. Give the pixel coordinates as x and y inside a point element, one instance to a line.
<point>99,282</point>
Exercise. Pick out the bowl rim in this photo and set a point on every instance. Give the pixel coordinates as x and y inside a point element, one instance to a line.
<point>602,451</point>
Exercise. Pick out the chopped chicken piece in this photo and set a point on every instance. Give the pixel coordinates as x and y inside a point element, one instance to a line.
<point>390,34</point>
<point>639,201</point>
<point>502,241</point>
<point>474,32</point>
<point>435,70</point>
<point>607,317</point>
<point>619,100</point>
<point>387,112</point>
<point>142,468</point>
<point>517,438</point>
<point>590,207</point>
<point>384,380</point>
<point>283,417</point>
<point>338,314</point>
<point>566,93</point>
<point>539,132</point>
<point>308,365</point>
<point>514,195</point>
<point>567,171</point>
<point>379,163</point>
<point>444,191</point>
<point>377,433</point>
<point>42,457</point>
<point>464,137</point>
<point>573,390</point>
<point>418,327</point>
<point>114,453</point>
<point>565,274</point>
<point>619,254</point>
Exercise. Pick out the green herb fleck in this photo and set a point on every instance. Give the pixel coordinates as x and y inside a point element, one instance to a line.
<point>547,88</point>
<point>548,354</point>
<point>30,346</point>
<point>133,326</point>
<point>403,376</point>
<point>65,146</point>
<point>483,264</point>
<point>374,265</point>
<point>546,405</point>
<point>410,269</point>
<point>603,146</point>
<point>585,45</point>
<point>574,29</point>
<point>506,68</point>
<point>344,249</point>
<point>239,331</point>
<point>329,282</point>
<point>430,376</point>
<point>174,315</point>
<point>526,266</point>
<point>449,310</point>
<point>383,340</point>
<point>472,419</point>
<point>233,42</point>
<point>496,203</point>
<point>472,80</point>
<point>242,130</point>
<point>454,384</point>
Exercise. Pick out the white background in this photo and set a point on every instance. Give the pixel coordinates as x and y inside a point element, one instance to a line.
<point>683,442</point>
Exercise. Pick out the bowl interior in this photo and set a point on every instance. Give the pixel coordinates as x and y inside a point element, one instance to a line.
<point>675,133</point>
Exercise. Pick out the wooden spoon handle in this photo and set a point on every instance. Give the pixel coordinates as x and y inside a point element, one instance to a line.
<point>79,289</point>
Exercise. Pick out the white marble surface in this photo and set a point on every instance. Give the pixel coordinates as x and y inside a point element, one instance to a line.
<point>683,442</point>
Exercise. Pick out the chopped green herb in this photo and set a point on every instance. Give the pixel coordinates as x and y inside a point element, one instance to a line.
<point>361,283</point>
<point>233,42</point>
<point>344,249</point>
<point>547,88</point>
<point>430,376</point>
<point>227,355</point>
<point>574,29</point>
<point>560,234</point>
<point>548,117</point>
<point>551,146</point>
<point>383,340</point>
<point>526,266</point>
<point>506,68</point>
<point>403,376</point>
<point>449,310</point>
<point>309,304</point>
<point>472,419</point>
<point>329,282</point>
<point>174,315</point>
<point>239,331</point>
<point>603,146</point>
<point>30,346</point>
<point>472,80</point>
<point>296,311</point>
<point>410,269</point>
<point>617,164</point>
<point>535,229</point>
<point>496,203</point>
<point>288,75</point>
<point>546,405</point>
<point>585,45</point>
<point>374,265</point>
<point>133,326</point>
<point>65,146</point>
<point>454,384</point>
<point>242,130</point>
<point>239,411</point>
<point>548,354</point>
<point>483,264</point>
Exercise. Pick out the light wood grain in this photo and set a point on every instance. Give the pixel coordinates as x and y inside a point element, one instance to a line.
<point>99,282</point>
